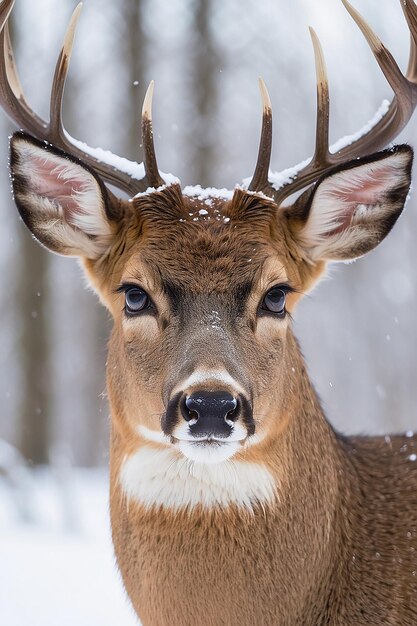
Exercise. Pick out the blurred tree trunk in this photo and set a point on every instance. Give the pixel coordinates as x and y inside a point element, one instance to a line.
<point>205,93</point>
<point>31,308</point>
<point>34,352</point>
<point>134,60</point>
<point>85,368</point>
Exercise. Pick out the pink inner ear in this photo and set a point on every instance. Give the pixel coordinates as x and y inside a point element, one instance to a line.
<point>366,185</point>
<point>58,182</point>
<point>366,189</point>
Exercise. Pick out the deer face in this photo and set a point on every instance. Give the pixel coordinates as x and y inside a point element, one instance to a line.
<point>202,359</point>
<point>201,303</point>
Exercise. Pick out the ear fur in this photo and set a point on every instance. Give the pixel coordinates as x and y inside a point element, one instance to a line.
<point>61,200</point>
<point>351,210</point>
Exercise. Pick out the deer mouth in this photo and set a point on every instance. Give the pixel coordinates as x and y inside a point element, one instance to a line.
<point>203,442</point>
<point>237,433</point>
<point>208,450</point>
<point>210,440</point>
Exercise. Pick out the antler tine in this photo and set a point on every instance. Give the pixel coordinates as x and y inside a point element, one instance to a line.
<point>11,93</point>
<point>5,9</point>
<point>13,102</point>
<point>321,153</point>
<point>56,131</point>
<point>404,102</point>
<point>151,166</point>
<point>260,181</point>
<point>393,121</point>
<point>322,159</point>
<point>398,82</point>
<point>11,65</point>
<point>60,76</point>
<point>410,13</point>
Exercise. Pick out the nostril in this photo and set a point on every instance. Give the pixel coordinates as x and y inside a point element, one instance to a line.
<point>192,417</point>
<point>192,409</point>
<point>233,414</point>
<point>189,411</point>
<point>193,402</point>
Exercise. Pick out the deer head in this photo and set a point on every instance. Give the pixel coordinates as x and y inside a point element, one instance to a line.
<point>202,287</point>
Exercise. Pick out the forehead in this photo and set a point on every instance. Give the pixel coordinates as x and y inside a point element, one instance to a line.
<point>205,244</point>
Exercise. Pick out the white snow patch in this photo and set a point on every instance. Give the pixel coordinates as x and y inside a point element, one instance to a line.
<point>245,184</point>
<point>412,457</point>
<point>132,168</point>
<point>214,320</point>
<point>58,570</point>
<point>279,179</point>
<point>151,190</point>
<point>170,179</point>
<point>349,139</point>
<point>207,193</point>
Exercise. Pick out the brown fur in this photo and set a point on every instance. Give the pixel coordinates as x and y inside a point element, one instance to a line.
<point>339,549</point>
<point>338,545</point>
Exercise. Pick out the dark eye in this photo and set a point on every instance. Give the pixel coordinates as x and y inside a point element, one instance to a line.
<point>136,300</point>
<point>274,301</point>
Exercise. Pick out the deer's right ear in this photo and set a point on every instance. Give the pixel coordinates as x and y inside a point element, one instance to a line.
<point>61,201</point>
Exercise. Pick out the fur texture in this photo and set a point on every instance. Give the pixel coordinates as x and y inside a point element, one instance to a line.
<point>300,526</point>
<point>166,478</point>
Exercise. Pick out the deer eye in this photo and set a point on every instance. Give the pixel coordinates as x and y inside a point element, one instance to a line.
<point>274,301</point>
<point>136,300</point>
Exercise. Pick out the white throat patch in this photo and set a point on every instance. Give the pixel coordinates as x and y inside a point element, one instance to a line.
<point>160,477</point>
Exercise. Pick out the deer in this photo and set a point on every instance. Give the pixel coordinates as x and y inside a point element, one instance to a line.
<point>233,501</point>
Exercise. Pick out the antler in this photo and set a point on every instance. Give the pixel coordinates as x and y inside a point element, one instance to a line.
<point>375,138</point>
<point>151,166</point>
<point>260,181</point>
<point>125,175</point>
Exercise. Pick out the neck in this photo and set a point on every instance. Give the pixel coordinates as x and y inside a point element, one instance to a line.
<point>301,533</point>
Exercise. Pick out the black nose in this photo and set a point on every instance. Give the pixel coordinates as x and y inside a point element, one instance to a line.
<point>210,413</point>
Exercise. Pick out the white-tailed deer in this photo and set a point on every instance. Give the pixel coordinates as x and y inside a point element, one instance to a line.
<point>233,501</point>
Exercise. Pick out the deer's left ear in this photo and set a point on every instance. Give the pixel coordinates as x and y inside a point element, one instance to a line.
<point>350,211</point>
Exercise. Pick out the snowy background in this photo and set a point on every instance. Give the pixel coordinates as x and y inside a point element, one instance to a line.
<point>358,330</point>
<point>56,560</point>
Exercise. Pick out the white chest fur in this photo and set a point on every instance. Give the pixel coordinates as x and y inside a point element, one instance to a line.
<point>159,476</point>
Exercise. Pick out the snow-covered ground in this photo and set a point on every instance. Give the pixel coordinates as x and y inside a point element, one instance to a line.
<point>57,566</point>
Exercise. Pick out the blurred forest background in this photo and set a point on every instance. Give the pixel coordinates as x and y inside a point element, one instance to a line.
<point>358,331</point>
